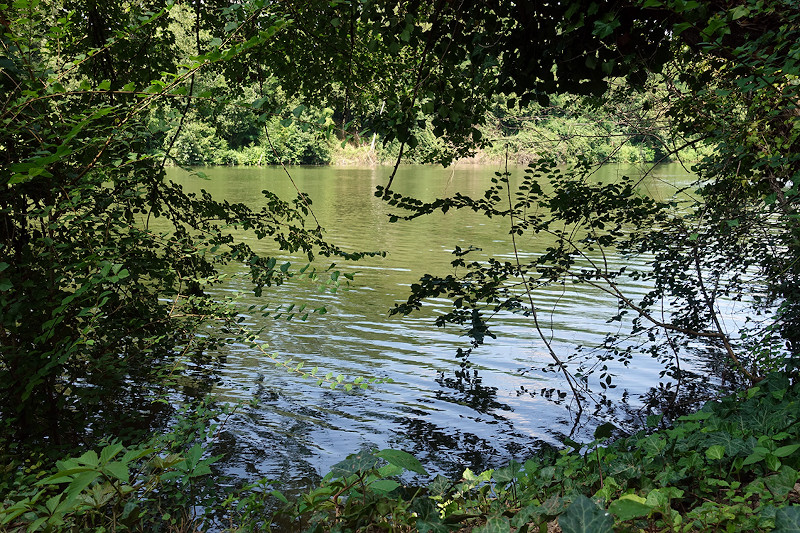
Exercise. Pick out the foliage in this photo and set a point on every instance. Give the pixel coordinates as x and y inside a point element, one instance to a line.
<point>720,77</point>
<point>611,218</point>
<point>106,264</point>
<point>625,128</point>
<point>163,484</point>
<point>732,466</point>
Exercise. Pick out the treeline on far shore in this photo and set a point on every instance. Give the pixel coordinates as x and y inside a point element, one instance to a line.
<point>566,130</point>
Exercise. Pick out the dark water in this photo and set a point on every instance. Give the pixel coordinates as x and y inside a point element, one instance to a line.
<point>448,416</point>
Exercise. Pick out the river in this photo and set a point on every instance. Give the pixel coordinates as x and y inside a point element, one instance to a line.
<point>450,417</point>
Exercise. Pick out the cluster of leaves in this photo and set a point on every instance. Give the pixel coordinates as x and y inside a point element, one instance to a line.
<point>731,466</point>
<point>396,70</point>
<point>744,96</point>
<point>164,484</point>
<point>399,69</point>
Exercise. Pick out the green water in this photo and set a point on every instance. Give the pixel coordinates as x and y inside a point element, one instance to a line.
<point>449,417</point>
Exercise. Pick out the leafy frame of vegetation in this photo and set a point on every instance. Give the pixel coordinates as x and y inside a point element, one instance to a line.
<point>72,139</point>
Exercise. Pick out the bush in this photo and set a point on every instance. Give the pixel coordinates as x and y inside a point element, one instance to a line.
<point>198,144</point>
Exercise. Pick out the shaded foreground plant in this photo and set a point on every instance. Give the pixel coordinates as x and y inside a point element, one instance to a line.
<point>731,466</point>
<point>105,264</point>
<point>164,484</point>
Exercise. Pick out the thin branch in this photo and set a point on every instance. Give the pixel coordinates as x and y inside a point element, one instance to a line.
<point>534,314</point>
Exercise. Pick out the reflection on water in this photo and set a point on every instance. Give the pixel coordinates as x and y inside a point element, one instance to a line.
<point>451,415</point>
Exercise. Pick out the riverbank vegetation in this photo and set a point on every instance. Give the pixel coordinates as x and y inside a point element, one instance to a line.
<point>731,466</point>
<point>107,323</point>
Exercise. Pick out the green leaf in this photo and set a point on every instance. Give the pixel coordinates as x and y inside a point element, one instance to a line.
<point>81,481</point>
<point>109,452</point>
<point>772,462</point>
<point>787,520</point>
<point>698,415</point>
<point>739,12</point>
<point>118,470</point>
<point>603,29</point>
<point>132,455</point>
<point>659,498</point>
<point>583,516</point>
<point>507,473</point>
<point>278,494</point>
<point>402,459</point>
<point>390,470</point>
<point>63,476</point>
<point>785,451</point>
<point>496,524</point>
<point>783,482</point>
<point>759,453</point>
<point>715,452</point>
<point>52,503</point>
<point>384,485</point>
<point>431,525</point>
<point>194,454</point>
<point>604,431</point>
<point>36,523</point>
<point>629,506</point>
<point>357,462</point>
<point>654,420</point>
<point>89,458</point>
<point>297,111</point>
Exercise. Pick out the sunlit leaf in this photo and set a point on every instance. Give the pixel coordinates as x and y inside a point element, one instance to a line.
<point>402,459</point>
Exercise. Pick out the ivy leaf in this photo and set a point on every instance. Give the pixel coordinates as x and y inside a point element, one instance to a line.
<point>654,420</point>
<point>787,520</point>
<point>402,459</point>
<point>629,506</point>
<point>783,482</point>
<point>604,431</point>
<point>496,524</point>
<point>583,516</point>
<point>507,473</point>
<point>715,452</point>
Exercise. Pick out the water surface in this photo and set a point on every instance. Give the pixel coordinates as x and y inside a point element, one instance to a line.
<point>451,417</point>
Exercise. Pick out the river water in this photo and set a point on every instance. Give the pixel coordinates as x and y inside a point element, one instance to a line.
<point>450,417</point>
